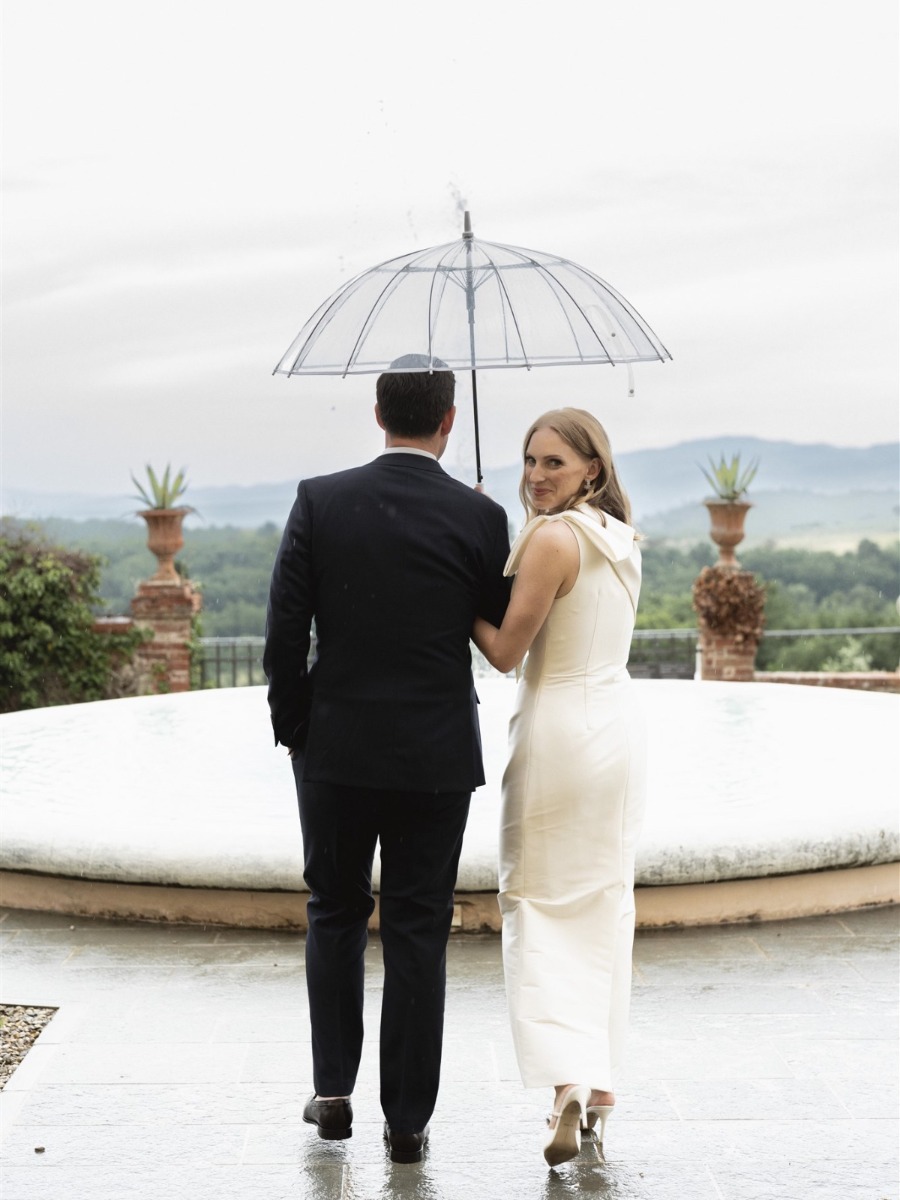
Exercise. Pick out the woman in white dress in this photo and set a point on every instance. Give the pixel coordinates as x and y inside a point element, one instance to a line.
<point>573,790</point>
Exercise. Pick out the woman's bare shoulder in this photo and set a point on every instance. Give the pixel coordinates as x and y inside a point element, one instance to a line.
<point>553,538</point>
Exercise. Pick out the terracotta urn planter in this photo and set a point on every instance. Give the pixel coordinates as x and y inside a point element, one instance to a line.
<point>164,539</point>
<point>727,528</point>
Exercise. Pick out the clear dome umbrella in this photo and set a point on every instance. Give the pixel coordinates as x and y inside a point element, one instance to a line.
<point>472,305</point>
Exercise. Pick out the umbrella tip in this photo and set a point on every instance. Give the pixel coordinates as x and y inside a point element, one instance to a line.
<point>467,225</point>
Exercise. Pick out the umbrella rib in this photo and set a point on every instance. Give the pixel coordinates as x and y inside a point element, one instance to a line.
<point>609,289</point>
<point>589,308</point>
<point>438,269</point>
<point>321,317</point>
<point>546,274</point>
<point>326,310</point>
<point>503,289</point>
<point>323,313</point>
<point>630,309</point>
<point>392,284</point>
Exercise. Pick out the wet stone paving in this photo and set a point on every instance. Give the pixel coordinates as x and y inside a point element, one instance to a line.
<point>763,1066</point>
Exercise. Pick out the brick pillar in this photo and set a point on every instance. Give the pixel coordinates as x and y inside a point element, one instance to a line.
<point>166,609</point>
<point>723,657</point>
<point>113,625</point>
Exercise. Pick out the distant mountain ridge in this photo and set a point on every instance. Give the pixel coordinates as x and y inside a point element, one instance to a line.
<point>791,517</point>
<point>660,482</point>
<point>666,481</point>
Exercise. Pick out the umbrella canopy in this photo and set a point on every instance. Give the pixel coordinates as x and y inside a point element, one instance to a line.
<point>474,305</point>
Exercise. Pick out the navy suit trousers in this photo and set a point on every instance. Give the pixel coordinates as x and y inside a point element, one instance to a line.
<point>421,835</point>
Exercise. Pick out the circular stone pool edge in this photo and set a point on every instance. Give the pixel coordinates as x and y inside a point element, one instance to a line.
<point>730,901</point>
<point>765,802</point>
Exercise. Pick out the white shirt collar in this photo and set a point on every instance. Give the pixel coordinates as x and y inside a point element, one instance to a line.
<point>409,450</point>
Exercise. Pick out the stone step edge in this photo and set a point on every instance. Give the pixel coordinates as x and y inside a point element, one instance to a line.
<point>773,898</point>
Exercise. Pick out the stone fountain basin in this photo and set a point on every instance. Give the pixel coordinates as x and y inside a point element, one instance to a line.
<point>745,781</point>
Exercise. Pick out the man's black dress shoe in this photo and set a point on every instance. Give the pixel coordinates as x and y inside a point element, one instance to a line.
<point>333,1117</point>
<point>406,1147</point>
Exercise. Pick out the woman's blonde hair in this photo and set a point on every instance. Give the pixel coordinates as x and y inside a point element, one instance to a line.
<point>587,437</point>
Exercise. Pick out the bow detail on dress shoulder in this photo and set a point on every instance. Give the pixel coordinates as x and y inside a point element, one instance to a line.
<point>615,539</point>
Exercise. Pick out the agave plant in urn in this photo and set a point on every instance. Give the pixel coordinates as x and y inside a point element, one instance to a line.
<point>727,509</point>
<point>164,516</point>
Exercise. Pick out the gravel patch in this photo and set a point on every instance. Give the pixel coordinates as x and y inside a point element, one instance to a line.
<point>19,1029</point>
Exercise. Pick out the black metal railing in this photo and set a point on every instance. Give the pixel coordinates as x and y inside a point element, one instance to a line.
<point>655,654</point>
<point>229,662</point>
<point>663,654</point>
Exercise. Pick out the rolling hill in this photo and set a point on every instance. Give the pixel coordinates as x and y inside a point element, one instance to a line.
<point>819,494</point>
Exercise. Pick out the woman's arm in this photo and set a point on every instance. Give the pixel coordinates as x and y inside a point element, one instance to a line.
<point>548,569</point>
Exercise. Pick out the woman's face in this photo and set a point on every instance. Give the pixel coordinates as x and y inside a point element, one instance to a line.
<point>554,472</point>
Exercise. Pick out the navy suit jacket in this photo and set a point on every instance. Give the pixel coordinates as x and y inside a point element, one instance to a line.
<point>393,561</point>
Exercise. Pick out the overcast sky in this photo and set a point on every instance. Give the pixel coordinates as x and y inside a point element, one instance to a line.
<point>185,182</point>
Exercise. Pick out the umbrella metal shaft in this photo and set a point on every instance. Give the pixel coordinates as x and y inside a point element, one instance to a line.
<point>478,476</point>
<point>470,307</point>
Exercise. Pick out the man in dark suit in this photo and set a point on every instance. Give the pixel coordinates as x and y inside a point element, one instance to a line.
<point>393,561</point>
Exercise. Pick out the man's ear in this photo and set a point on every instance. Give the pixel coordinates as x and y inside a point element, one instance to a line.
<point>378,417</point>
<point>447,421</point>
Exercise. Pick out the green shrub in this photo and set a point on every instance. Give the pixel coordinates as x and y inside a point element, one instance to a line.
<point>849,656</point>
<point>49,650</point>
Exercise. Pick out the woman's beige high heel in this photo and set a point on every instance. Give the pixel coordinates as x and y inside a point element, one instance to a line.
<point>597,1113</point>
<point>563,1139</point>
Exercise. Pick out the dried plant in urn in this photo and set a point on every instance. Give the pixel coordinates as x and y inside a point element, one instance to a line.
<point>730,604</point>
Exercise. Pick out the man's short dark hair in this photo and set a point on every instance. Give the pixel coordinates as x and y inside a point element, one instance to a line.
<point>413,403</point>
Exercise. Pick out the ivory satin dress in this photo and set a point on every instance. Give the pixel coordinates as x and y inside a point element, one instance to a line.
<point>573,798</point>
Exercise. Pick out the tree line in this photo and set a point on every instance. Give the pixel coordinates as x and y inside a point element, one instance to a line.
<point>806,589</point>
